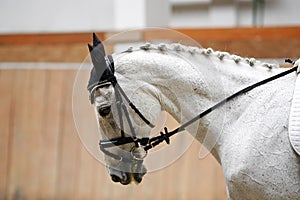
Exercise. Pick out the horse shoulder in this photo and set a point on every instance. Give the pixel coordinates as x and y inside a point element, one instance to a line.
<point>258,161</point>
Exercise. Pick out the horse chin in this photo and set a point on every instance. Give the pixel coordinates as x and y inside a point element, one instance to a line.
<point>125,178</point>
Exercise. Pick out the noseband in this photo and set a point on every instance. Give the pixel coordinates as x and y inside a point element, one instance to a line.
<point>143,145</point>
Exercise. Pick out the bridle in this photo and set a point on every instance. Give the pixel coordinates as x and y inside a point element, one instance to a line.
<point>143,145</point>
<point>140,144</point>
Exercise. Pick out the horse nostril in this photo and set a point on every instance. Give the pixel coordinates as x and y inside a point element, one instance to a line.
<point>115,178</point>
<point>104,111</point>
<point>138,177</point>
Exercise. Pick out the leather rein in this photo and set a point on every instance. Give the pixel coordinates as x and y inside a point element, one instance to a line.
<point>143,145</point>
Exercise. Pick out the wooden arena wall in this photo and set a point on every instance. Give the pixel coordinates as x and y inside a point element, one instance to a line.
<point>270,42</point>
<point>41,154</point>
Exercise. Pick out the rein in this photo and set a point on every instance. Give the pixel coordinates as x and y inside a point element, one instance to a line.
<point>103,74</point>
<point>145,144</point>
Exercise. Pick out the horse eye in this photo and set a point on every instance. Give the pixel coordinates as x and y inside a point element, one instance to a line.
<point>104,111</point>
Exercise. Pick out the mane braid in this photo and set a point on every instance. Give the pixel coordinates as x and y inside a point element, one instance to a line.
<point>204,51</point>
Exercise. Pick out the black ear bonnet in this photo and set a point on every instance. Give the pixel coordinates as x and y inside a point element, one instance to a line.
<point>103,67</point>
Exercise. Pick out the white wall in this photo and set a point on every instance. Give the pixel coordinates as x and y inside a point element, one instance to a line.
<point>231,13</point>
<point>81,16</point>
<point>282,12</point>
<point>141,13</point>
<point>129,14</point>
<point>55,15</point>
<point>26,16</point>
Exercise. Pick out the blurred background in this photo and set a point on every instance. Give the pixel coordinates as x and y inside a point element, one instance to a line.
<point>34,16</point>
<point>42,45</point>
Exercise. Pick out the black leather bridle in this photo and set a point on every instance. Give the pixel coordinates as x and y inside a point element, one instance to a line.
<point>141,145</point>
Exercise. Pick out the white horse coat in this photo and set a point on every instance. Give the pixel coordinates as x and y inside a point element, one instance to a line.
<point>249,134</point>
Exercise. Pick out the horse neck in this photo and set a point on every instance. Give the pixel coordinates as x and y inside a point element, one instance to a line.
<point>188,81</point>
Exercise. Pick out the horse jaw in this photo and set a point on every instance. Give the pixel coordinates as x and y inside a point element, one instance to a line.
<point>120,171</point>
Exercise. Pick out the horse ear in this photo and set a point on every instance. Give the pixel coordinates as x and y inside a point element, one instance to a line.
<point>96,43</point>
<point>97,53</point>
<point>96,40</point>
<point>90,48</point>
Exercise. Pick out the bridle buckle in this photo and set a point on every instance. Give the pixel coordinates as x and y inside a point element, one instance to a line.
<point>138,153</point>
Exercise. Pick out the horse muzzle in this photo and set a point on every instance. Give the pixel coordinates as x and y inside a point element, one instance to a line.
<point>135,175</point>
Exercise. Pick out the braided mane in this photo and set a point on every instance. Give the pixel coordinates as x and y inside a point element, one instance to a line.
<point>202,51</point>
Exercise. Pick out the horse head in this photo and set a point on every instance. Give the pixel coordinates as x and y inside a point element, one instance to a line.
<point>123,132</point>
